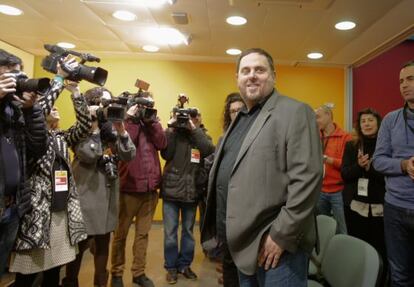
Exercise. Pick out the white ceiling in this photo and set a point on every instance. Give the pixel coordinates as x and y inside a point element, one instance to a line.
<point>288,29</point>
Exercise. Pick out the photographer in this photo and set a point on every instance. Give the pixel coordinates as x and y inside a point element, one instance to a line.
<point>96,174</point>
<point>139,181</point>
<point>22,138</point>
<point>187,146</point>
<point>49,233</point>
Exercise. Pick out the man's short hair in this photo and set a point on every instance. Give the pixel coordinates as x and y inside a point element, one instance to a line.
<point>256,51</point>
<point>408,64</point>
<point>327,108</point>
<point>93,96</point>
<point>7,59</point>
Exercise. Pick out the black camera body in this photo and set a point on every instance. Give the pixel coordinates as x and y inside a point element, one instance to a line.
<point>24,84</point>
<point>184,115</point>
<point>112,110</point>
<point>94,75</point>
<point>147,112</point>
<point>109,164</point>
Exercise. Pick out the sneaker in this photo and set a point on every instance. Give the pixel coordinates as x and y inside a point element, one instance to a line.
<point>188,273</point>
<point>117,281</point>
<point>172,276</point>
<point>143,281</point>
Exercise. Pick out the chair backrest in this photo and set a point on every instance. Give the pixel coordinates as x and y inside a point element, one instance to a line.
<point>349,261</point>
<point>326,230</point>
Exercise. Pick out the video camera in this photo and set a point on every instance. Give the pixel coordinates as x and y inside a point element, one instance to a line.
<point>143,100</point>
<point>183,114</point>
<point>95,75</point>
<point>112,110</point>
<point>24,84</point>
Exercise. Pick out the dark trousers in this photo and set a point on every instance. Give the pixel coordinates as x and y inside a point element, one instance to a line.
<point>230,274</point>
<point>371,230</point>
<point>399,238</point>
<point>100,250</point>
<point>50,278</point>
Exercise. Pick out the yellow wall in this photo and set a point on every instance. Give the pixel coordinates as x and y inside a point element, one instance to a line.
<point>207,85</point>
<point>28,59</point>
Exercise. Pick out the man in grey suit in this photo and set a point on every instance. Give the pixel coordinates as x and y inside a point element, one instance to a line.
<point>265,181</point>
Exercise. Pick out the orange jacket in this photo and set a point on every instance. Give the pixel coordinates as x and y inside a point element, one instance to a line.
<point>334,146</point>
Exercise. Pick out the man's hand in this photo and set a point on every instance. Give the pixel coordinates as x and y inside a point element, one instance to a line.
<point>92,109</point>
<point>328,159</point>
<point>7,84</point>
<point>191,125</point>
<point>133,111</point>
<point>172,121</point>
<point>269,253</point>
<point>72,87</point>
<point>27,100</point>
<point>70,64</point>
<point>119,127</point>
<point>410,167</point>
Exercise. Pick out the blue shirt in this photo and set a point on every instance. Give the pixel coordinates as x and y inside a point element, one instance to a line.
<point>396,143</point>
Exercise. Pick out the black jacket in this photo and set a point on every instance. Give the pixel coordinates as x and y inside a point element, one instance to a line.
<point>180,174</point>
<point>28,129</point>
<point>351,172</point>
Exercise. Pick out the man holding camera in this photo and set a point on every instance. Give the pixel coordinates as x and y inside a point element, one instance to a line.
<point>22,138</point>
<point>188,145</point>
<point>139,180</point>
<point>95,169</point>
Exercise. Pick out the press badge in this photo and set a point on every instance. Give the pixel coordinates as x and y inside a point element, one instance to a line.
<point>363,186</point>
<point>61,180</point>
<point>195,155</point>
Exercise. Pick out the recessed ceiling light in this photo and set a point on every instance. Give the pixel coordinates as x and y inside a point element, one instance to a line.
<point>233,52</point>
<point>236,20</point>
<point>10,10</point>
<point>124,15</point>
<point>150,48</point>
<point>153,3</point>
<point>66,45</point>
<point>315,55</point>
<point>345,25</point>
<point>165,36</point>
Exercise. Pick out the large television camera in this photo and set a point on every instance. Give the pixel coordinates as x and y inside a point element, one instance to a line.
<point>95,75</point>
<point>114,109</point>
<point>146,109</point>
<point>182,114</point>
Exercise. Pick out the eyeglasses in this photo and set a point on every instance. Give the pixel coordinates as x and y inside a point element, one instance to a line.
<point>234,111</point>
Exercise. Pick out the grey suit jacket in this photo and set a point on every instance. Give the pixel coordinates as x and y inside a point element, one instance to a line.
<point>274,185</point>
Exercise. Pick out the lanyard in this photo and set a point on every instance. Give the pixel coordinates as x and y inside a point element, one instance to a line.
<point>405,118</point>
<point>325,142</point>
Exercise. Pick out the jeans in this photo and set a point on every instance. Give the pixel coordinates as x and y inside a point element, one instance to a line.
<point>9,225</point>
<point>332,204</point>
<point>174,258</point>
<point>291,271</point>
<point>399,238</point>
